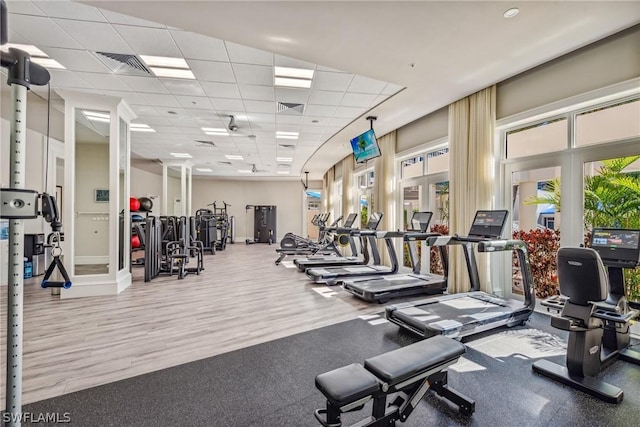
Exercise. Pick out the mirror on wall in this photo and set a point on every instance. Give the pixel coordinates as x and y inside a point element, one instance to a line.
<point>92,193</point>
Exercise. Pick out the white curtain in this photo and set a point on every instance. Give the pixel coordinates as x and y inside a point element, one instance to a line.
<point>384,187</point>
<point>471,170</point>
<point>347,185</point>
<point>323,197</point>
<point>331,176</point>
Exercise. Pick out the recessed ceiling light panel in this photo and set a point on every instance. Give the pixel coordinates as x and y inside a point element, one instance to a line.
<point>510,13</point>
<point>165,62</point>
<point>298,73</point>
<point>181,155</point>
<point>234,157</point>
<point>175,73</point>
<point>292,82</point>
<point>204,169</point>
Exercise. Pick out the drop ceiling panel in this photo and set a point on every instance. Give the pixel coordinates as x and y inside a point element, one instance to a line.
<point>67,79</point>
<point>248,55</point>
<point>194,102</point>
<point>69,10</point>
<point>221,90</point>
<point>95,36</point>
<point>23,7</point>
<point>144,110</point>
<point>183,87</point>
<point>159,100</point>
<point>289,120</point>
<point>212,71</point>
<point>260,106</point>
<point>76,60</point>
<point>227,104</point>
<point>320,110</point>
<point>323,80</point>
<point>357,100</point>
<point>366,85</point>
<point>325,97</point>
<point>118,18</point>
<point>144,84</point>
<point>16,38</point>
<point>42,31</point>
<point>149,41</point>
<point>103,81</point>
<point>348,112</point>
<point>262,118</point>
<point>339,122</point>
<point>253,74</point>
<point>196,46</point>
<point>257,93</point>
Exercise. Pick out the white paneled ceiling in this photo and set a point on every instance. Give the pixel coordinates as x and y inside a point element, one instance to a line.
<point>230,79</point>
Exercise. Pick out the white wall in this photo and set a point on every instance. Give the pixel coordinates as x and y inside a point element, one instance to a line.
<point>145,184</point>
<point>612,60</point>
<point>286,195</point>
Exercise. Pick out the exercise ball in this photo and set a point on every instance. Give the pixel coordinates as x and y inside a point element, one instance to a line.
<point>134,204</point>
<point>146,204</point>
<point>137,218</point>
<point>135,242</point>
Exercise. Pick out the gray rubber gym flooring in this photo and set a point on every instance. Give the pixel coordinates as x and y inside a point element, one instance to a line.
<point>272,384</point>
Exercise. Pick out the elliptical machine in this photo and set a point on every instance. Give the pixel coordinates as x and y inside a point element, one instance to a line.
<point>594,309</point>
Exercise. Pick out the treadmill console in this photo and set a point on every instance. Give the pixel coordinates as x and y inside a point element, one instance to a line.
<point>374,220</point>
<point>351,218</point>
<point>420,221</point>
<point>617,246</point>
<point>489,224</point>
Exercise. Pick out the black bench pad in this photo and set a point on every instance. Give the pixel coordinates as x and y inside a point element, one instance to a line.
<point>347,384</point>
<point>399,365</point>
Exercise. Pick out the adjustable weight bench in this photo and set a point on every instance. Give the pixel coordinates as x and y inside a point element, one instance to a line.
<point>404,376</point>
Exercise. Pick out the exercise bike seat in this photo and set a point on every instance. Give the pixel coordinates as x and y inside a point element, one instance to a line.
<point>404,363</point>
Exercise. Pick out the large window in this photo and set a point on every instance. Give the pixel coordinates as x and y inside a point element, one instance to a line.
<point>544,137</point>
<point>412,167</point>
<point>610,123</point>
<point>438,161</point>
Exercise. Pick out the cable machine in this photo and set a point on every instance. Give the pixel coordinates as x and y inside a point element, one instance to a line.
<point>18,204</point>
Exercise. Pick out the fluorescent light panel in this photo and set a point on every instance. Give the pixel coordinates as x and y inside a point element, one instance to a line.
<point>48,63</point>
<point>89,113</point>
<point>181,155</point>
<point>291,82</point>
<point>284,159</point>
<point>298,73</point>
<point>165,62</point>
<point>287,135</point>
<point>204,169</point>
<point>175,73</point>
<point>29,48</point>
<point>234,157</point>
<point>215,131</point>
<point>282,172</point>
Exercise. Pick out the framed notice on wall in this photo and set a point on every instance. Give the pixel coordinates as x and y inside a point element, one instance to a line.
<point>101,195</point>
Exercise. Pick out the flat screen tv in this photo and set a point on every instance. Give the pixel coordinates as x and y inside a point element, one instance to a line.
<point>365,147</point>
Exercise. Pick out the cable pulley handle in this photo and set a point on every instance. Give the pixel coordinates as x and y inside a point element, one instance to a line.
<point>46,283</point>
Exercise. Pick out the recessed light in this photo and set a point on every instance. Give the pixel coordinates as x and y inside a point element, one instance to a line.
<point>141,127</point>
<point>282,172</point>
<point>292,82</point>
<point>215,131</point>
<point>299,73</point>
<point>244,170</point>
<point>48,63</point>
<point>176,73</point>
<point>98,114</point>
<point>510,13</point>
<point>181,155</point>
<point>234,157</point>
<point>204,169</point>
<point>284,159</point>
<point>165,62</point>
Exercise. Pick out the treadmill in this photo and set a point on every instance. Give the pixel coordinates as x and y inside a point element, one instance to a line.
<point>468,313</point>
<point>382,288</point>
<point>333,261</point>
<point>334,275</point>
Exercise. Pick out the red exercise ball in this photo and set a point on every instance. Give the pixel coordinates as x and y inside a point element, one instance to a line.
<point>135,242</point>
<point>134,204</point>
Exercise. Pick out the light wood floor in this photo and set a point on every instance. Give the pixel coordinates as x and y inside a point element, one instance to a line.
<point>241,299</point>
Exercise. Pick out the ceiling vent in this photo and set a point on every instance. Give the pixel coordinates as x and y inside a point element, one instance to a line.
<point>123,63</point>
<point>287,146</point>
<point>290,108</point>
<point>203,143</point>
